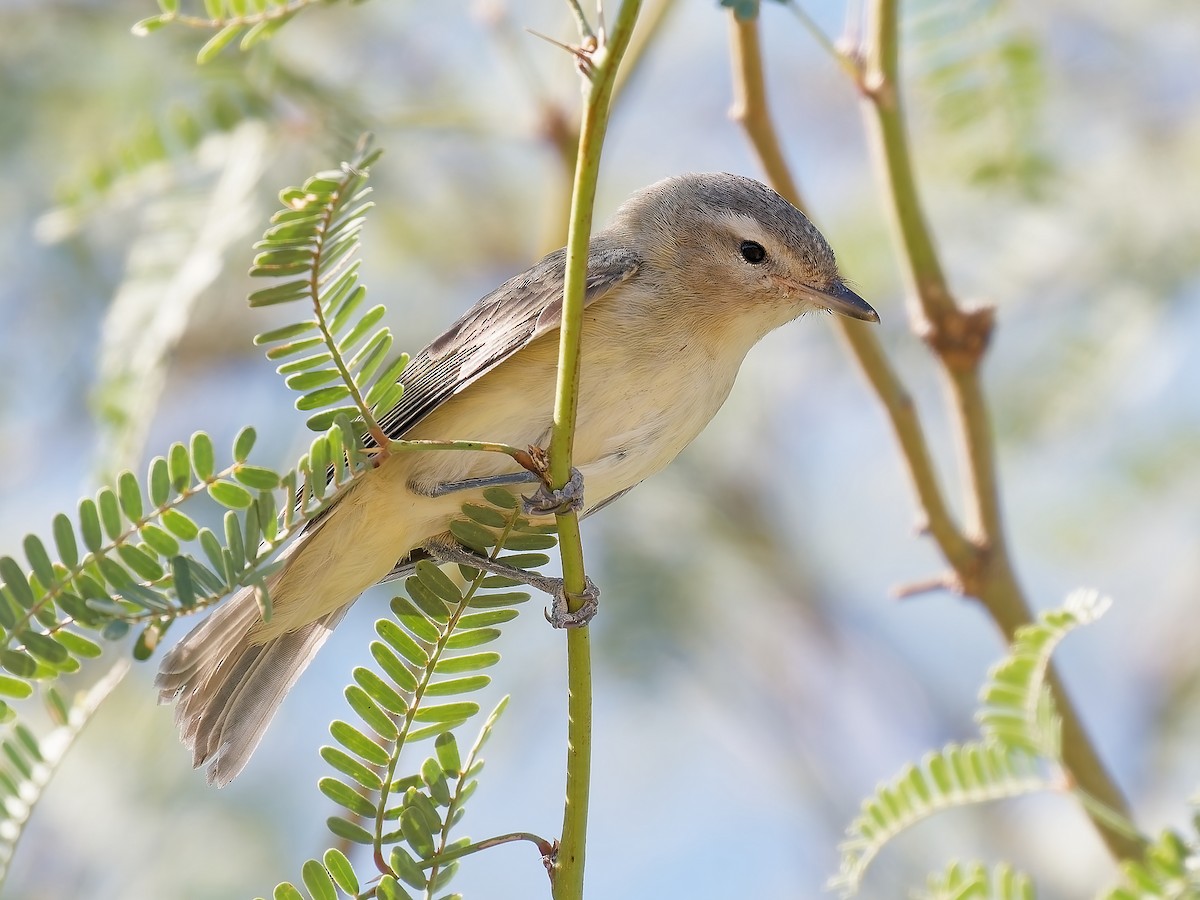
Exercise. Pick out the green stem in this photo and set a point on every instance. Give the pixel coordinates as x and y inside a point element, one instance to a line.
<point>581,22</point>
<point>750,110</point>
<point>405,722</point>
<point>319,276</point>
<point>567,874</point>
<point>820,37</point>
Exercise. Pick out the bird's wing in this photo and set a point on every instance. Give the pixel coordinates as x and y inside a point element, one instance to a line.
<point>523,308</point>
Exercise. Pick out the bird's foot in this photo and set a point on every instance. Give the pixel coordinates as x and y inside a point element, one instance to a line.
<point>559,614</point>
<point>475,484</point>
<point>547,501</point>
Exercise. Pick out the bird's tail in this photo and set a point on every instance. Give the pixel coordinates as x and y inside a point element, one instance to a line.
<point>228,687</point>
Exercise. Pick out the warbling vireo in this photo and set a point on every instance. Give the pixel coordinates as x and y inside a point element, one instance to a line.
<point>691,273</point>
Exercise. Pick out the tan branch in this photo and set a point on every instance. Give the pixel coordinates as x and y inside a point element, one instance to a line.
<point>959,338</point>
<point>750,110</point>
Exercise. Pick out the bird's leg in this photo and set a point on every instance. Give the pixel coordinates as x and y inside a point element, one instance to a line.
<point>559,615</point>
<point>471,484</point>
<point>544,502</point>
<point>547,501</point>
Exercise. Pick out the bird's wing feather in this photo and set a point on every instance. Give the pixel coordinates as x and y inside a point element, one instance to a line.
<point>523,308</point>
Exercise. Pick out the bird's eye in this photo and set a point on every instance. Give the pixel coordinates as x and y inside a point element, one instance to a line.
<point>753,252</point>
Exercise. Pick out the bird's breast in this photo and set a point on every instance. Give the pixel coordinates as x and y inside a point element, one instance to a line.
<point>646,391</point>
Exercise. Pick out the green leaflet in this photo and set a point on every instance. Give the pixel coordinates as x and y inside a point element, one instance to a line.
<point>974,880</point>
<point>1018,754</point>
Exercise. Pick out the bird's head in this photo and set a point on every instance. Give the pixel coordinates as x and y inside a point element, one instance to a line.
<point>733,243</point>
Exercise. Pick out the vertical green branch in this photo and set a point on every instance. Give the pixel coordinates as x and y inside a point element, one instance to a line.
<point>600,67</point>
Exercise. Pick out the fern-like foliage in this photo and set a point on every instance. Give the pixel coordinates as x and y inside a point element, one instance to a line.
<point>134,558</point>
<point>984,72</point>
<point>336,357</point>
<point>426,657</point>
<point>1016,708</point>
<point>1169,869</point>
<point>145,146</point>
<point>30,761</point>
<point>976,882</point>
<point>1020,751</point>
<point>949,778</point>
<point>174,254</point>
<point>251,20</point>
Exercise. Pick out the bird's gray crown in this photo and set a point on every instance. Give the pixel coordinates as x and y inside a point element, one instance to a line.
<point>673,202</point>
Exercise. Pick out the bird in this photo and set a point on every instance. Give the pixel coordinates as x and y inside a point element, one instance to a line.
<point>688,276</point>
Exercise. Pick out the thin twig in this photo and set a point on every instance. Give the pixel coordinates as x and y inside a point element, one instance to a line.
<point>820,36</point>
<point>650,24</point>
<point>270,14</point>
<point>947,581</point>
<point>581,22</point>
<point>750,108</point>
<point>545,848</point>
<point>556,125</point>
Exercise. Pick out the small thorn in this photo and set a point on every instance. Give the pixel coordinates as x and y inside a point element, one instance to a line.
<point>947,581</point>
<point>583,54</point>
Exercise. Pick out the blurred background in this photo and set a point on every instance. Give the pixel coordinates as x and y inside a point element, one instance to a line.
<point>755,679</point>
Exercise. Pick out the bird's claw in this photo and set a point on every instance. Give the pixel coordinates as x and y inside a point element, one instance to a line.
<point>560,615</point>
<point>546,501</point>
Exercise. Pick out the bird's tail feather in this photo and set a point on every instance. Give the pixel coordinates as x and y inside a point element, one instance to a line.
<point>228,687</point>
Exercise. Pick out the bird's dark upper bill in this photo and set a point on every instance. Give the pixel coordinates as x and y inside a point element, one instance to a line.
<point>840,299</point>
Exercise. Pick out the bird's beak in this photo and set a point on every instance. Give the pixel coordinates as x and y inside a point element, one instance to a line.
<point>840,299</point>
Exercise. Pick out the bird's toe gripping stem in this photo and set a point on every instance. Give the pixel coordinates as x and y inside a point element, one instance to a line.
<point>547,501</point>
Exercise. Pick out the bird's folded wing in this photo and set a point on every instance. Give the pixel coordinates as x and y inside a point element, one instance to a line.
<point>523,308</point>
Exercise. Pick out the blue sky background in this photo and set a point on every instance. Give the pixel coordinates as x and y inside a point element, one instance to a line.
<point>754,677</point>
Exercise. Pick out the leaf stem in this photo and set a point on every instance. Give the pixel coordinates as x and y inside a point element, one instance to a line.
<point>318,278</point>
<point>581,22</point>
<point>521,457</point>
<point>545,847</point>
<point>567,874</point>
<point>66,579</point>
<point>405,721</point>
<point>822,39</point>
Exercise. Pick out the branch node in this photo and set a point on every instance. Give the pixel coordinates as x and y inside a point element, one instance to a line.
<point>960,337</point>
<point>582,53</point>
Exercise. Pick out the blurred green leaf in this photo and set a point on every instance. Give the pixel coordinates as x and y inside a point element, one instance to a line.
<point>218,42</point>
